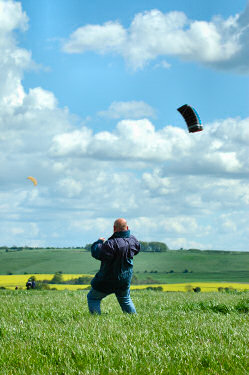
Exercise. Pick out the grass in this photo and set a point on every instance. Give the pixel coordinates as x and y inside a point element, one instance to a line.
<point>46,332</point>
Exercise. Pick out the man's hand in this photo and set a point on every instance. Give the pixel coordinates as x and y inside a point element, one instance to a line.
<point>102,239</point>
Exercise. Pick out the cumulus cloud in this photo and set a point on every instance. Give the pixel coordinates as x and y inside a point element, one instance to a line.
<point>12,17</point>
<point>104,38</point>
<point>196,177</point>
<point>38,98</point>
<point>219,43</point>
<point>132,140</point>
<point>131,110</point>
<point>13,59</point>
<point>216,151</point>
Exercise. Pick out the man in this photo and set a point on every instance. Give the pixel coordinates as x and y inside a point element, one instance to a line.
<point>28,284</point>
<point>116,256</point>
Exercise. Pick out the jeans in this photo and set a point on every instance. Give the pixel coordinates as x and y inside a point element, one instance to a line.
<point>94,298</point>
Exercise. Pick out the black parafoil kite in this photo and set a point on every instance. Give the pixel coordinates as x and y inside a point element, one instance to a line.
<point>191,117</point>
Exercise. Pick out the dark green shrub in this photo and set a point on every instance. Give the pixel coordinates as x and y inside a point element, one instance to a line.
<point>155,288</point>
<point>243,306</point>
<point>57,278</point>
<point>39,285</point>
<point>220,308</point>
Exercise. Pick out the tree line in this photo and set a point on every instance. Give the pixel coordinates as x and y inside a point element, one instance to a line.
<point>149,247</point>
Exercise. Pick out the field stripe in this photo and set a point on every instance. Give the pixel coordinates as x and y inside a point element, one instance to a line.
<point>11,281</point>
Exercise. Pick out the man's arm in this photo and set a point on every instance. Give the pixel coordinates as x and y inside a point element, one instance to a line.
<point>102,250</point>
<point>96,247</point>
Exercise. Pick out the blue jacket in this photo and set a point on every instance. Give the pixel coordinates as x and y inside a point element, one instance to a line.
<point>116,256</point>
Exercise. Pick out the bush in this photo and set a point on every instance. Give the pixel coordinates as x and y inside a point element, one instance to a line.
<point>155,288</point>
<point>57,278</point>
<point>41,286</point>
<point>188,288</point>
<point>243,306</point>
<point>222,308</point>
<point>82,280</point>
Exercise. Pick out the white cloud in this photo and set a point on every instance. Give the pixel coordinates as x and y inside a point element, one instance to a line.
<point>219,43</point>
<point>104,38</point>
<point>13,60</point>
<point>38,98</point>
<point>216,150</point>
<point>70,187</point>
<point>131,110</point>
<point>16,230</point>
<point>12,17</point>
<point>73,142</point>
<point>163,64</point>
<point>131,140</point>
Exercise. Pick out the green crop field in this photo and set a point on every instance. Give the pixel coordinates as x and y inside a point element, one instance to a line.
<point>201,265</point>
<point>46,332</point>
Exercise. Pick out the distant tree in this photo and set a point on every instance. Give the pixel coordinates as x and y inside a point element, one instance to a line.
<point>145,246</point>
<point>57,278</point>
<point>186,270</point>
<point>158,247</point>
<point>82,280</point>
<point>41,286</point>
<point>153,247</point>
<point>197,289</point>
<point>88,247</point>
<point>188,288</point>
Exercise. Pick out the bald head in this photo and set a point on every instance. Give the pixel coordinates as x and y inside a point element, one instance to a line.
<point>120,225</point>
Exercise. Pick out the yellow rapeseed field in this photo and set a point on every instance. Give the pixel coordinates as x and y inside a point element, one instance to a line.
<point>20,280</point>
<point>11,281</point>
<point>185,287</point>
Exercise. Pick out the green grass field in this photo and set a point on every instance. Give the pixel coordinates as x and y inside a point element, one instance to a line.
<point>52,333</point>
<point>205,265</point>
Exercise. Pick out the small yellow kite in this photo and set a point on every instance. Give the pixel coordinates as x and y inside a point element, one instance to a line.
<point>34,180</point>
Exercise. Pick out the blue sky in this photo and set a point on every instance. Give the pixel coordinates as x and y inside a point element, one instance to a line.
<point>92,81</point>
<point>88,106</point>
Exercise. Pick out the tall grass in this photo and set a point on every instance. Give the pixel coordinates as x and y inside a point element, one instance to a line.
<point>173,333</point>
